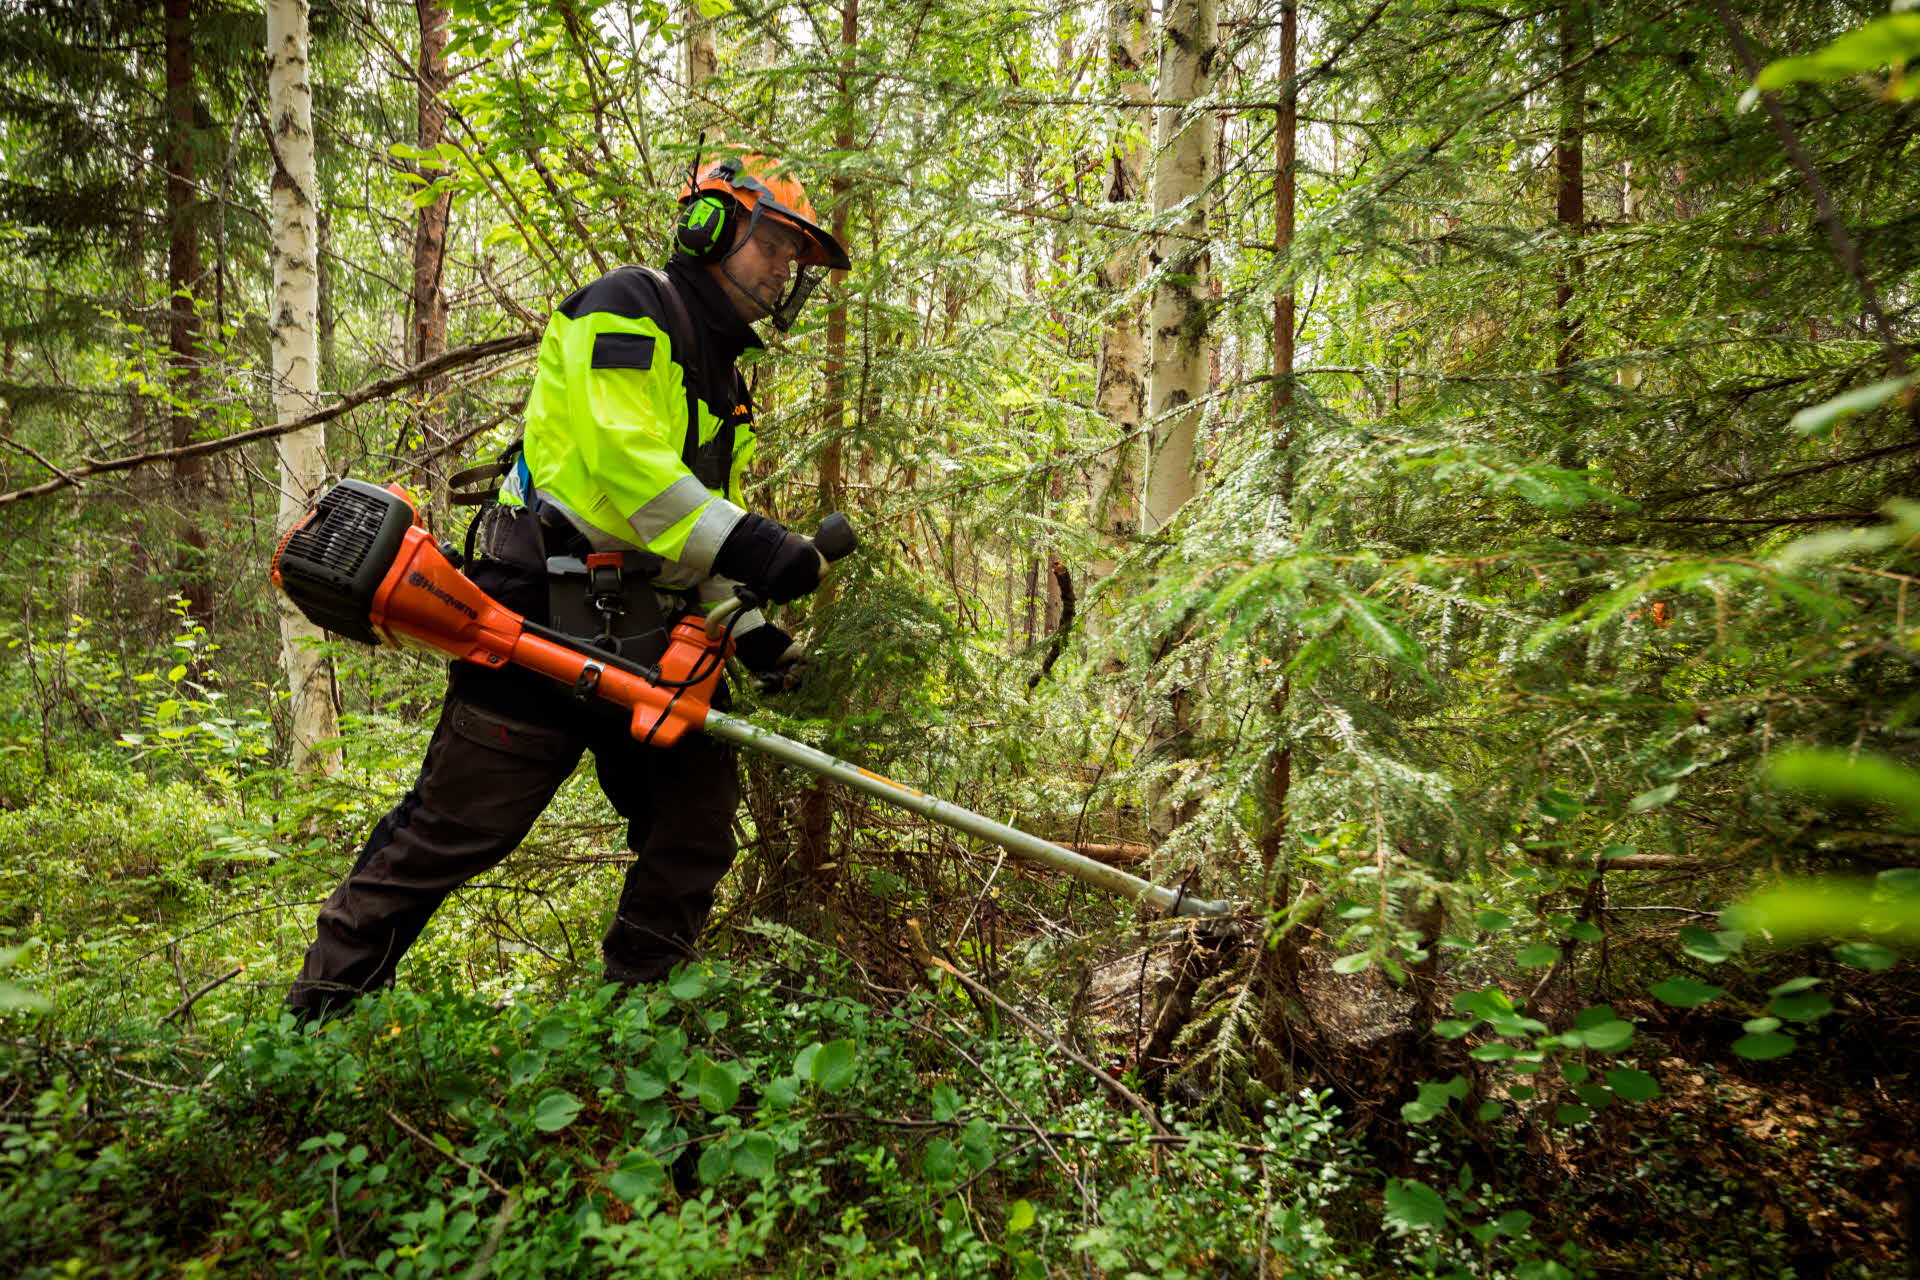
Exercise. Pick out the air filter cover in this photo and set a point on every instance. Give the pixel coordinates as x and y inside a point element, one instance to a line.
<point>332,563</point>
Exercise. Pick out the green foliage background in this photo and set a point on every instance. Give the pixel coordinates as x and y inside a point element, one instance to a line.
<point>1565,608</point>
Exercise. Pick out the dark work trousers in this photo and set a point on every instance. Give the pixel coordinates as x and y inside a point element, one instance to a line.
<point>505,742</point>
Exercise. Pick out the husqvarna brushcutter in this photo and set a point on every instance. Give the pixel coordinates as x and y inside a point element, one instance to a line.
<point>360,564</point>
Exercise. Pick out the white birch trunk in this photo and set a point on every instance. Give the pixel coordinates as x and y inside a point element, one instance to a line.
<point>294,334</point>
<point>1177,376</point>
<point>1121,394</point>
<point>1179,367</point>
<point>702,59</point>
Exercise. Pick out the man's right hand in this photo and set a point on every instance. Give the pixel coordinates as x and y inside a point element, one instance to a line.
<point>770,560</point>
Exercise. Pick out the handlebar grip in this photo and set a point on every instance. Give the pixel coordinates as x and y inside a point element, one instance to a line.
<point>835,538</point>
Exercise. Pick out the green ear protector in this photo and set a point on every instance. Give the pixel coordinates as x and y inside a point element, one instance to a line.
<point>705,229</point>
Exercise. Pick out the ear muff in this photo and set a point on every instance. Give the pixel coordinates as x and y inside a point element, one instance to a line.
<point>705,229</point>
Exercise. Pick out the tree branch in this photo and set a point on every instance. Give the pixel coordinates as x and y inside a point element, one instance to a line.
<point>1844,247</point>
<point>378,389</point>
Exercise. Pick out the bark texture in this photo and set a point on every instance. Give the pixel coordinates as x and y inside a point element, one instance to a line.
<point>183,318</point>
<point>429,337</point>
<point>1179,366</point>
<point>1121,394</point>
<point>294,333</point>
<point>1184,142</point>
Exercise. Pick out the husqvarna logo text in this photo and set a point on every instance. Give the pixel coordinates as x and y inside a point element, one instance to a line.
<point>415,578</point>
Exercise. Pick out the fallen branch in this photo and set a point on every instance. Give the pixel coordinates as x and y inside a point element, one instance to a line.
<point>378,389</point>
<point>428,1143</point>
<point>1118,855</point>
<point>193,999</point>
<point>1112,1085</point>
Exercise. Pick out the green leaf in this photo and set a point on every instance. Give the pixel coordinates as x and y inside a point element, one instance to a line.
<point>15,998</point>
<point>1596,1096</point>
<point>1353,963</point>
<point>941,1162</point>
<point>1890,41</point>
<point>638,1177</point>
<point>1764,1045</point>
<point>555,1110</point>
<point>833,1066</point>
<point>803,1060</point>
<point>1488,1002</point>
<point>1572,1113</point>
<point>1019,1217</point>
<point>1493,921</point>
<point>1452,1029</point>
<point>1608,1037</point>
<point>1703,946</point>
<point>976,1143</point>
<point>554,1032</point>
<point>1866,955</point>
<point>1685,993</point>
<point>1632,1084</point>
<point>716,1086</point>
<point>1414,1206</point>
<point>1863,777</point>
<point>178,673</point>
<point>1802,1006</point>
<point>1538,956</point>
<point>753,1155</point>
<point>1492,1051</point>
<point>946,1102</point>
<point>1797,910</point>
<point>1653,799</point>
<point>689,983</point>
<point>1489,1110</point>
<point>1793,986</point>
<point>1582,931</point>
<point>1817,420</point>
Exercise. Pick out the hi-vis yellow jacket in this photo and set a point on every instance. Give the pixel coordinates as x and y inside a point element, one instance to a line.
<point>611,437</point>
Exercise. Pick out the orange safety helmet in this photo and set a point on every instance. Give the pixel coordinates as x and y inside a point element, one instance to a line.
<point>712,204</point>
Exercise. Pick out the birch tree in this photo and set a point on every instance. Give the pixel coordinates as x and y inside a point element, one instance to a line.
<point>1121,392</point>
<point>1184,143</point>
<point>296,356</point>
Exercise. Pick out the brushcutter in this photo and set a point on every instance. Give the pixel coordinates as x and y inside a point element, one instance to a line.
<point>362,565</point>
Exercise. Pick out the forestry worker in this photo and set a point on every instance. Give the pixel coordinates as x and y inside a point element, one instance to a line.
<point>638,431</point>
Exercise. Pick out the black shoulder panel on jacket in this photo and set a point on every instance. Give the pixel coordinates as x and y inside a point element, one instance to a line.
<point>624,291</point>
<point>622,351</point>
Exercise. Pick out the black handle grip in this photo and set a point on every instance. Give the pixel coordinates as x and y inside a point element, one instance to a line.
<point>835,539</point>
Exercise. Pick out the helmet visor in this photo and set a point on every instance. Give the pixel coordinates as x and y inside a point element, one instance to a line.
<point>766,265</point>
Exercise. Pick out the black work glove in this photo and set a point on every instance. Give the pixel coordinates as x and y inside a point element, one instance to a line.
<point>773,657</point>
<point>769,559</point>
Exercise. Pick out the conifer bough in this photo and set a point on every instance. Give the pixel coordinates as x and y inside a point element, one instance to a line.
<point>361,564</point>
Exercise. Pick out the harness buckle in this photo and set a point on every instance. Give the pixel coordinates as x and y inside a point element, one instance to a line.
<point>588,681</point>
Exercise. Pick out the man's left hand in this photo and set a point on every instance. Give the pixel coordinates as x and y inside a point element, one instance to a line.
<point>774,657</point>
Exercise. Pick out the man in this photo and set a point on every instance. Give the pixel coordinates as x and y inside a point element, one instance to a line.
<point>618,514</point>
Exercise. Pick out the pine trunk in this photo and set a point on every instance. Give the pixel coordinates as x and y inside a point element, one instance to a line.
<point>834,420</point>
<point>294,334</point>
<point>1570,205</point>
<point>1286,127</point>
<point>183,320</point>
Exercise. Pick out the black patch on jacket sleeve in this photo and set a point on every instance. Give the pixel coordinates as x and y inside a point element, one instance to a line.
<point>622,351</point>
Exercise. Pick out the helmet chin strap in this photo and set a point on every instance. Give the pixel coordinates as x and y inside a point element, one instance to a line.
<point>766,307</point>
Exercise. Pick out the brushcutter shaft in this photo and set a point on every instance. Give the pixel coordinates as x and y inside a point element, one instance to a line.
<point>1027,847</point>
